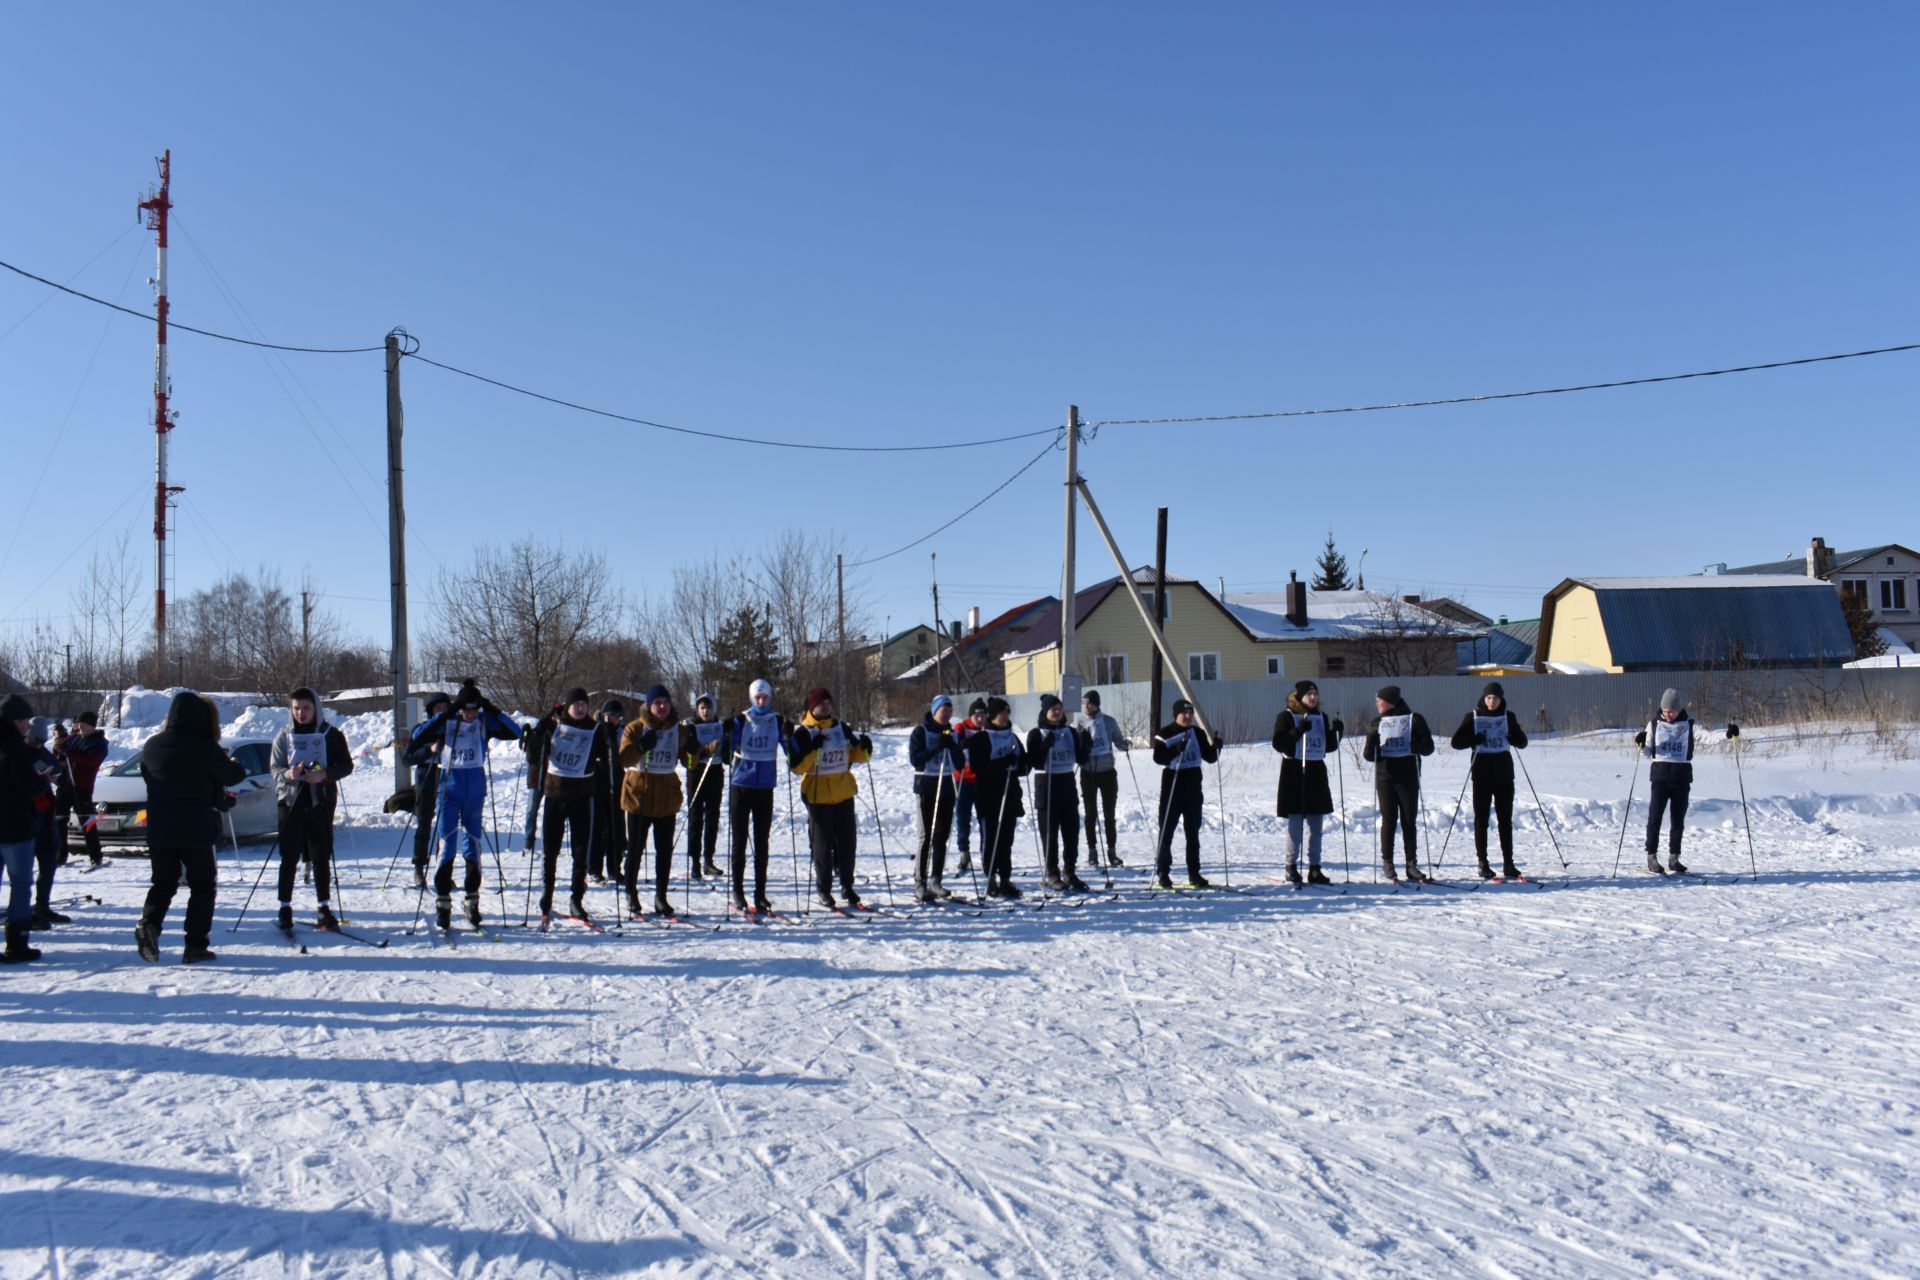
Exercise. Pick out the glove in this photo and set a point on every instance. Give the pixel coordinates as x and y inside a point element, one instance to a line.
<point>1733,730</point>
<point>226,801</point>
<point>864,743</point>
<point>648,739</point>
<point>1640,738</point>
<point>1479,739</point>
<point>945,729</point>
<point>1340,727</point>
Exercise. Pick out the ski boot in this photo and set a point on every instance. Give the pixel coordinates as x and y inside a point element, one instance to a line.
<point>285,919</point>
<point>1293,875</point>
<point>1113,859</point>
<point>1053,881</point>
<point>1508,869</point>
<point>740,901</point>
<point>577,908</point>
<point>1387,869</point>
<point>1197,881</point>
<point>1163,881</point>
<point>851,898</point>
<point>761,904</point>
<point>712,870</point>
<point>1486,869</point>
<point>197,955</point>
<point>924,892</point>
<point>1416,875</point>
<point>473,910</point>
<point>1676,866</point>
<point>825,899</point>
<point>661,907</point>
<point>966,863</point>
<point>443,911</point>
<point>325,919</point>
<point>1316,876</point>
<point>634,908</point>
<point>940,890</point>
<point>1074,883</point>
<point>1653,864</point>
<point>419,875</point>
<point>145,937</point>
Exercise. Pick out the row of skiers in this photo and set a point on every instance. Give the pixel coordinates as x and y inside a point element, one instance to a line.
<point>46,775</point>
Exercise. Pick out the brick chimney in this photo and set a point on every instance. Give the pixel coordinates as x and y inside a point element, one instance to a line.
<point>1296,599</point>
<point>1819,559</point>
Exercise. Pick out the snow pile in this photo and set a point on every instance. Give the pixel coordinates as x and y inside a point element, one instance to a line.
<point>143,708</point>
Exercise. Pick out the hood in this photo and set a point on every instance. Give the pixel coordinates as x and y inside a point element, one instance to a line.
<point>645,717</point>
<point>810,722</point>
<point>1298,707</point>
<point>192,716</point>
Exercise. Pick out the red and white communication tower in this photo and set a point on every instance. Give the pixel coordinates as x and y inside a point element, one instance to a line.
<point>155,206</point>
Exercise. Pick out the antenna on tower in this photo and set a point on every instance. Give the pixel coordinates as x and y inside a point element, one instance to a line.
<point>156,206</point>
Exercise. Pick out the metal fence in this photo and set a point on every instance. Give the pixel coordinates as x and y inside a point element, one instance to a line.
<point>1244,710</point>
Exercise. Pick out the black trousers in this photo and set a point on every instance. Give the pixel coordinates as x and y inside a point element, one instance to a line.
<point>832,835</point>
<point>426,799</point>
<point>750,808</point>
<point>46,858</point>
<point>996,833</point>
<point>443,878</point>
<point>639,829</point>
<point>1180,799</point>
<point>561,814</point>
<point>936,825</point>
<point>1493,795</point>
<point>202,878</point>
<point>609,834</point>
<point>1057,808</point>
<point>703,812</point>
<point>1665,796</point>
<point>1097,789</point>
<point>1399,800</point>
<point>305,830</point>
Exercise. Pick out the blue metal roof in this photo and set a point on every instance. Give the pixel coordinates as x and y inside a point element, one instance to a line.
<point>1690,627</point>
<point>1507,646</point>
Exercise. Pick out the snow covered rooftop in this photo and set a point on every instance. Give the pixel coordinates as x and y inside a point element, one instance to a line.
<point>1336,615</point>
<point>1704,582</point>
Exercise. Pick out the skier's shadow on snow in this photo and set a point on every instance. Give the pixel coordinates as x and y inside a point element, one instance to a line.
<point>197,1064</point>
<point>138,1223</point>
<point>76,1004</point>
<point>37,1164</point>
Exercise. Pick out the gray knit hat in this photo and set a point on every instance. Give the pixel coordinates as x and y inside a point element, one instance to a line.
<point>1670,700</point>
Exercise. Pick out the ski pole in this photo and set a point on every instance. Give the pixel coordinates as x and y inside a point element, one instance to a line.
<point>526,908</point>
<point>999,829</point>
<point>873,798</point>
<point>1092,800</point>
<point>333,856</point>
<point>1626,818</point>
<point>395,860</point>
<point>1472,759</point>
<point>256,883</point>
<point>793,842</point>
<point>1752,860</point>
<point>1139,797</point>
<point>972,866</point>
<point>444,771</point>
<point>1226,864</point>
<point>499,872</point>
<point>1346,859</point>
<point>1545,820</point>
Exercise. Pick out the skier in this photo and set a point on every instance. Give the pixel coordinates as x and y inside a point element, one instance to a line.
<point>1491,729</point>
<point>424,756</point>
<point>754,740</point>
<point>997,760</point>
<point>533,748</point>
<point>187,774</point>
<point>1398,736</point>
<point>62,796</point>
<point>706,784</point>
<point>1055,749</point>
<point>609,832</point>
<point>936,755</point>
<point>21,785</point>
<point>85,751</point>
<point>975,721</point>
<point>308,758</point>
<point>1668,741</point>
<point>651,746</point>
<point>1099,779</point>
<point>1181,748</point>
<point>46,835</point>
<point>1305,736</point>
<point>465,729</point>
<point>823,753</point>
<point>575,747</point>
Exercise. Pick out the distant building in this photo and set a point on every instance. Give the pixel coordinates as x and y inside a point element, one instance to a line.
<point>1701,622</point>
<point>887,658</point>
<point>1359,633</point>
<point>1887,577</point>
<point>1505,650</point>
<point>971,662</point>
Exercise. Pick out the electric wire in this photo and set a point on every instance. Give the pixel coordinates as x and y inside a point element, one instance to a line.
<point>733,439</point>
<point>187,328</point>
<point>74,550</point>
<point>46,298</point>
<point>1503,395</point>
<point>1053,444</point>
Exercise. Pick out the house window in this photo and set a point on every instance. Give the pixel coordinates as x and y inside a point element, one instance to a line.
<point>1203,666</point>
<point>1110,668</point>
<point>1276,665</point>
<point>1029,675</point>
<point>1335,666</point>
<point>1893,594</point>
<point>1854,587</point>
<point>1146,598</point>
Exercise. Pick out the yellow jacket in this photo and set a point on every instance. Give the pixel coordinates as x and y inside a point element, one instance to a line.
<point>829,788</point>
<point>651,795</point>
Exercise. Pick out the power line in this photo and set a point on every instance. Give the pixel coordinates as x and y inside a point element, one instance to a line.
<point>175,324</point>
<point>34,309</point>
<point>720,435</point>
<point>1504,395</point>
<point>1051,446</point>
<point>73,551</point>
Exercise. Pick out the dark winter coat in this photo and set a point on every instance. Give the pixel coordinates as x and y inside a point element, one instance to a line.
<point>83,755</point>
<point>996,782</point>
<point>1496,766</point>
<point>1303,783</point>
<point>1168,743</point>
<point>1401,768</point>
<point>187,774</point>
<point>322,796</point>
<point>20,786</point>
<point>925,745</point>
<point>1040,742</point>
<point>558,786</point>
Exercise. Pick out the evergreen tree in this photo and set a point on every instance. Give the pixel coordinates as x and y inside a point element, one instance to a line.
<point>1332,568</point>
<point>1866,636</point>
<point>745,648</point>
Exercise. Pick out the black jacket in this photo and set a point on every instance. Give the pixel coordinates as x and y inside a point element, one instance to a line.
<point>993,777</point>
<point>1040,743</point>
<point>1400,768</point>
<point>1496,766</point>
<point>1303,783</point>
<point>538,742</point>
<point>924,746</point>
<point>1168,744</point>
<point>187,774</point>
<point>20,786</point>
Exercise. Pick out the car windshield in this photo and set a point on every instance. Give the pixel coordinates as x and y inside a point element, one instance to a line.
<point>129,768</point>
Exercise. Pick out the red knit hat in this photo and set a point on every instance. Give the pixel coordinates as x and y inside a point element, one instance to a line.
<point>817,695</point>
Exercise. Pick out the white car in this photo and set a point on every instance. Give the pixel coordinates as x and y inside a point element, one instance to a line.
<point>120,797</point>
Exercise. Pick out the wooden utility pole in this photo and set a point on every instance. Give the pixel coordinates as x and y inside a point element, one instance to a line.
<point>1070,680</point>
<point>1160,616</point>
<point>306,637</point>
<point>840,613</point>
<point>940,639</point>
<point>397,559</point>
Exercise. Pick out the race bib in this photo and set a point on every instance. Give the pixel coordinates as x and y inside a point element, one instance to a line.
<point>1102,737</point>
<point>1312,742</point>
<point>833,753</point>
<point>1670,741</point>
<point>1060,753</point>
<point>307,748</point>
<point>1396,737</point>
<point>759,736</point>
<point>1005,742</point>
<point>570,751</point>
<point>1495,727</point>
<point>665,753</point>
<point>466,745</point>
<point>707,733</point>
<point>1189,757</point>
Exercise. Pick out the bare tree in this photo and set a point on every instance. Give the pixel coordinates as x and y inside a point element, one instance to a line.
<point>519,620</point>
<point>106,624</point>
<point>795,577</point>
<point>1399,638</point>
<point>704,598</point>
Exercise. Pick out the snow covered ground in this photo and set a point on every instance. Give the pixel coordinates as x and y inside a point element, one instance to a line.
<point>1602,1077</point>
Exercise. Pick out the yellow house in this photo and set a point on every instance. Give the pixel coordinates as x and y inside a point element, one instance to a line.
<point>1691,623</point>
<point>1111,644</point>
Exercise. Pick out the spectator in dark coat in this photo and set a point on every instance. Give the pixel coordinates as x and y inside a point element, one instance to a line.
<point>187,774</point>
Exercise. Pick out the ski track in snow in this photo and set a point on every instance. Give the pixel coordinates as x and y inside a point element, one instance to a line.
<point>1600,1077</point>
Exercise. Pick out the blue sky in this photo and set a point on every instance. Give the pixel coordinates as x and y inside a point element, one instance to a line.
<point>887,224</point>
